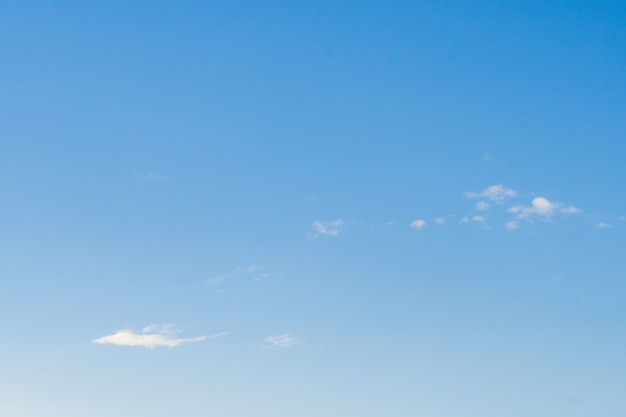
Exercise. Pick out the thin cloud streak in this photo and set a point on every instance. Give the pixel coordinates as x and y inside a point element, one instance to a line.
<point>151,337</point>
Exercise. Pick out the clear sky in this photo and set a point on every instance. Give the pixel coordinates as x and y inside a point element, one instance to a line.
<point>330,208</point>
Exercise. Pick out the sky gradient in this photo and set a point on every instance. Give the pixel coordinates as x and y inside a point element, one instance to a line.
<point>312,209</point>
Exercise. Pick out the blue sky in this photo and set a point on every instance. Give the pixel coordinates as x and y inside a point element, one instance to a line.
<point>312,209</point>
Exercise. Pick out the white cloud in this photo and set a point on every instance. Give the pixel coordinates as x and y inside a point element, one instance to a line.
<point>497,193</point>
<point>540,207</point>
<point>482,206</point>
<point>283,341</point>
<point>543,209</point>
<point>440,220</point>
<point>418,224</point>
<point>512,225</point>
<point>603,225</point>
<point>156,335</point>
<point>478,219</point>
<point>332,228</point>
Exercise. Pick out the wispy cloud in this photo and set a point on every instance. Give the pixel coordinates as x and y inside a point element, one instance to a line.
<point>440,220</point>
<point>283,341</point>
<point>511,225</point>
<point>155,177</point>
<point>156,335</point>
<point>497,193</point>
<point>418,224</point>
<point>331,228</point>
<point>477,219</point>
<point>236,272</point>
<point>603,225</point>
<point>482,206</point>
<point>571,210</point>
<point>214,280</point>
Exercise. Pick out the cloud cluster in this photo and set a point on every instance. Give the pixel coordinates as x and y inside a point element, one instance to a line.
<point>498,198</point>
<point>542,208</point>
<point>156,335</point>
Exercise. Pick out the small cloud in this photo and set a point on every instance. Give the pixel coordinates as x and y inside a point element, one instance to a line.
<point>156,335</point>
<point>440,220</point>
<point>478,219</point>
<point>333,228</point>
<point>603,225</point>
<point>540,207</point>
<point>497,193</point>
<point>150,177</point>
<point>155,177</point>
<point>214,281</point>
<point>571,210</point>
<point>482,206</point>
<point>283,341</point>
<point>621,218</point>
<point>418,224</point>
<point>512,225</point>
<point>261,276</point>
